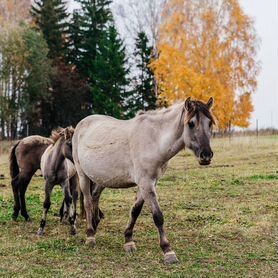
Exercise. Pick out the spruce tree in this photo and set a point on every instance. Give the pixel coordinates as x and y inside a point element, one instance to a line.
<point>94,18</point>
<point>144,96</point>
<point>74,40</point>
<point>50,16</point>
<point>110,77</point>
<point>101,57</point>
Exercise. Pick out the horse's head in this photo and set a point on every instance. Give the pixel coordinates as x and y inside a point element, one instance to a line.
<point>198,128</point>
<point>62,137</point>
<point>67,134</point>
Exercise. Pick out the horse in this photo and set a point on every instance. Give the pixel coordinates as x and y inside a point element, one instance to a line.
<point>25,159</point>
<point>114,153</point>
<point>57,168</point>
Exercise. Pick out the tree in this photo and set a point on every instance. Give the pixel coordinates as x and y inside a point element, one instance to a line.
<point>208,48</point>
<point>144,89</point>
<point>68,99</point>
<point>99,55</point>
<point>74,50</point>
<point>23,77</point>
<point>14,11</point>
<point>36,81</point>
<point>50,17</point>
<point>93,19</point>
<point>110,79</point>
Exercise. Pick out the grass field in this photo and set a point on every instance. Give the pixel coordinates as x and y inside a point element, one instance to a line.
<point>220,219</point>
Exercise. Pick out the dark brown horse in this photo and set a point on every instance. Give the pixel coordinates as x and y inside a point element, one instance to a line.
<point>25,159</point>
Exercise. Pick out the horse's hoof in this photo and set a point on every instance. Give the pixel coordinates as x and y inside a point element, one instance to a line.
<point>64,221</point>
<point>130,247</point>
<point>40,232</point>
<point>27,218</point>
<point>91,241</point>
<point>170,258</point>
<point>14,217</point>
<point>73,231</point>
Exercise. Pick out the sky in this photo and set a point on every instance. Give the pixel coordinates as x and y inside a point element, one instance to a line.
<point>265,99</point>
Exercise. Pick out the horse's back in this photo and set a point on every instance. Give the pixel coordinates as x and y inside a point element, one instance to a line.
<point>29,151</point>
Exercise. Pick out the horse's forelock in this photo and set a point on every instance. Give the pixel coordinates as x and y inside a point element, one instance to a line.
<point>56,134</point>
<point>195,109</point>
<point>59,132</point>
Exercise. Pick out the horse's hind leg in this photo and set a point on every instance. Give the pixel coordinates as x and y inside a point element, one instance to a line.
<point>129,245</point>
<point>82,209</point>
<point>23,181</point>
<point>46,206</point>
<point>147,189</point>
<point>16,198</point>
<point>97,213</point>
<point>84,182</point>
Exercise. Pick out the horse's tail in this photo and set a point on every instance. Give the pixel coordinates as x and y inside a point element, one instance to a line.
<point>14,169</point>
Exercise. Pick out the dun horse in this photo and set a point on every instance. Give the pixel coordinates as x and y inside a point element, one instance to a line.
<point>25,159</point>
<point>120,154</point>
<point>57,168</point>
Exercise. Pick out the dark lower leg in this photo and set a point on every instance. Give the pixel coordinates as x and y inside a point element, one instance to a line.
<point>16,199</point>
<point>134,213</point>
<point>23,184</point>
<point>46,206</point>
<point>159,222</point>
<point>97,213</point>
<point>150,197</point>
<point>74,193</point>
<point>70,207</point>
<point>23,209</point>
<point>63,212</point>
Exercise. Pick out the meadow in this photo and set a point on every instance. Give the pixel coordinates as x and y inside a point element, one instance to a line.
<point>221,221</point>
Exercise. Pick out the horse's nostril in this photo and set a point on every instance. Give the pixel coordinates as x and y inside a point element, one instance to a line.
<point>206,155</point>
<point>202,155</point>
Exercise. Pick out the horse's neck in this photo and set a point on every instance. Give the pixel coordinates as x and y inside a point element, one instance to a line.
<point>56,156</point>
<point>170,134</point>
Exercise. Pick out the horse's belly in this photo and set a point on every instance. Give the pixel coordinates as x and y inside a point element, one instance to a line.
<point>108,170</point>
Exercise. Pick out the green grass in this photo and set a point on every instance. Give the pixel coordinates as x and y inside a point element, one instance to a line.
<point>220,219</point>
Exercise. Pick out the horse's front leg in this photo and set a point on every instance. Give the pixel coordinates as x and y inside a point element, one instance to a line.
<point>135,211</point>
<point>74,192</point>
<point>46,206</point>
<point>147,189</point>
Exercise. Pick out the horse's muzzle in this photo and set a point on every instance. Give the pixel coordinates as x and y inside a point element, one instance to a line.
<point>205,157</point>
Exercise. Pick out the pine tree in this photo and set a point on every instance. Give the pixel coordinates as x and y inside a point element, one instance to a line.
<point>50,17</point>
<point>110,78</point>
<point>99,55</point>
<point>94,17</point>
<point>74,40</point>
<point>144,96</point>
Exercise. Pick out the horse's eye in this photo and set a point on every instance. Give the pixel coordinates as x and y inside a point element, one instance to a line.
<point>191,125</point>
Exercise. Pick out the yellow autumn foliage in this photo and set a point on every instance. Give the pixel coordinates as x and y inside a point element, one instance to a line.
<point>208,48</point>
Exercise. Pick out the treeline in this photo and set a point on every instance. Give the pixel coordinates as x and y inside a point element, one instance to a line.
<point>57,67</point>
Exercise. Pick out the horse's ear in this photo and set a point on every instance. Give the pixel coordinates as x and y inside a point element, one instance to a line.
<point>67,134</point>
<point>188,104</point>
<point>210,103</point>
